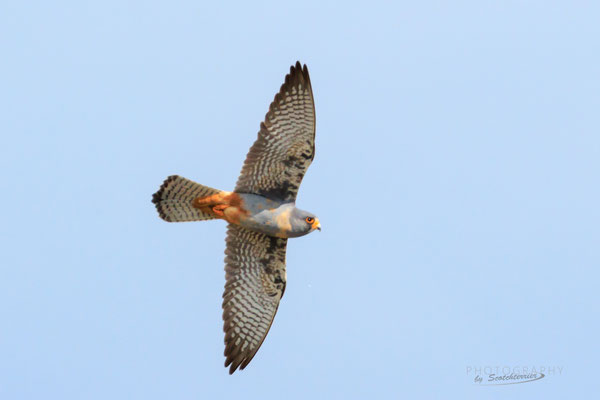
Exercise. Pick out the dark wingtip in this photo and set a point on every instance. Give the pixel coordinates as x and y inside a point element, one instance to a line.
<point>299,72</point>
<point>232,366</point>
<point>296,67</point>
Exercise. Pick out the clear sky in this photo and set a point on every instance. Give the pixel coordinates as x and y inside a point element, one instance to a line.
<point>456,179</point>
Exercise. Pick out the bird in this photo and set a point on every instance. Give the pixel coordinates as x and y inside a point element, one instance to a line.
<point>261,214</point>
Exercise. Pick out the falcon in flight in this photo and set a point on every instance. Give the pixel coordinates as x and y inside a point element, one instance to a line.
<point>261,214</point>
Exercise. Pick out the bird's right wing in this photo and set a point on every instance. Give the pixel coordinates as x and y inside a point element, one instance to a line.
<point>285,147</point>
<point>255,274</point>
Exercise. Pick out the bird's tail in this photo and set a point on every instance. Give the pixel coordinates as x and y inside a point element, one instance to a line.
<point>175,197</point>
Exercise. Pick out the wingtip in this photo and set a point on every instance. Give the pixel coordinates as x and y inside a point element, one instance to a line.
<point>302,68</point>
<point>233,365</point>
<point>298,73</point>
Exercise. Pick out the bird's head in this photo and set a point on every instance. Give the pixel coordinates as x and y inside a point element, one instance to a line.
<point>303,222</point>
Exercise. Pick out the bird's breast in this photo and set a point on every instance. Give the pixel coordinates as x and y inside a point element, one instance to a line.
<point>267,216</point>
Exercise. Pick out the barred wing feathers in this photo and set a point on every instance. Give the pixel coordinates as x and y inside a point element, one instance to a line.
<point>255,282</point>
<point>279,158</point>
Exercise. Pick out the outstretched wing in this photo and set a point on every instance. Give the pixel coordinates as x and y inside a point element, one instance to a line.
<point>255,273</point>
<point>278,160</point>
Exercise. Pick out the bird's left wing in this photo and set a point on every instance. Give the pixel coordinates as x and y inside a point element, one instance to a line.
<point>285,147</point>
<point>255,274</point>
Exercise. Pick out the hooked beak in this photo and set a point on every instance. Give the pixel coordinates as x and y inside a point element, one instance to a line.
<point>316,225</point>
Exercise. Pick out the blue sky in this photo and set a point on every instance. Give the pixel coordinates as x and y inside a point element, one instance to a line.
<point>456,180</point>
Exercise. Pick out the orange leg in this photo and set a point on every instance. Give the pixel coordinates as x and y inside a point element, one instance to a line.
<point>224,205</point>
<point>220,210</point>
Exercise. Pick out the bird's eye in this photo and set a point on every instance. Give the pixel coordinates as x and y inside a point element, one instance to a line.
<point>310,220</point>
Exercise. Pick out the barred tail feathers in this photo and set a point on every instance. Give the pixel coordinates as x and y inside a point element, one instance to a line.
<point>174,200</point>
